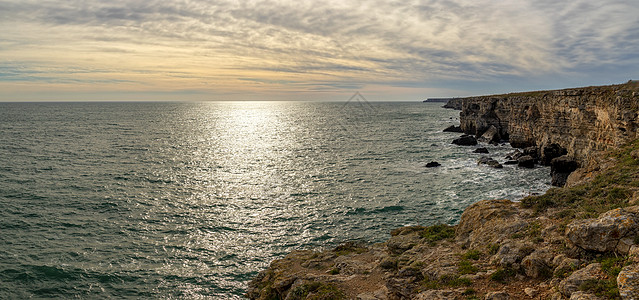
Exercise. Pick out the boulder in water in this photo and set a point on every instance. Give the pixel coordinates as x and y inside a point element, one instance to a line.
<point>432,164</point>
<point>465,140</point>
<point>485,160</point>
<point>490,136</point>
<point>526,161</point>
<point>453,128</point>
<point>515,155</point>
<point>481,150</point>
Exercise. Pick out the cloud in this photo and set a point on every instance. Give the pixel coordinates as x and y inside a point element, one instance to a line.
<point>340,44</point>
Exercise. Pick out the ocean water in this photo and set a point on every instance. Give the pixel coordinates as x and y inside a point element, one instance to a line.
<point>191,200</point>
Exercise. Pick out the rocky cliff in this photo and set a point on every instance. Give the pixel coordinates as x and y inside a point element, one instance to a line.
<point>579,242</point>
<point>583,121</point>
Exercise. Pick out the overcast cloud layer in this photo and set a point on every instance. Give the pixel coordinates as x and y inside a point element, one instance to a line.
<point>388,50</point>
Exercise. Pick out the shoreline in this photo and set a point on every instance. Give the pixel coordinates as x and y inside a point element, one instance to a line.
<point>576,242</point>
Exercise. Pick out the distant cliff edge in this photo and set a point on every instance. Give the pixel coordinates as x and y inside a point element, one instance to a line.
<point>454,103</point>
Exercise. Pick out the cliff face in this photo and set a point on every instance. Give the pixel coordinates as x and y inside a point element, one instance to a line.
<point>584,121</point>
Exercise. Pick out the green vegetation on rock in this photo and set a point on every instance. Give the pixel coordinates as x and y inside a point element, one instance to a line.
<point>502,275</point>
<point>466,267</point>
<point>472,254</point>
<point>349,248</point>
<point>316,291</point>
<point>608,190</point>
<point>601,287</point>
<point>439,232</point>
<point>446,281</point>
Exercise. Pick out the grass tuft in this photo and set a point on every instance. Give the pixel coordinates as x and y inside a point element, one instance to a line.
<point>472,254</point>
<point>466,267</point>
<point>502,275</point>
<point>435,233</point>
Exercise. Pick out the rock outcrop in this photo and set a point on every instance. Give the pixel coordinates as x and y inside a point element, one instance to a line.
<point>613,231</point>
<point>481,150</point>
<point>573,283</point>
<point>560,169</point>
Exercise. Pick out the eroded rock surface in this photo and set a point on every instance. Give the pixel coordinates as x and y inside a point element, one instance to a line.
<point>612,231</point>
<point>572,284</point>
<point>489,222</point>
<point>628,282</point>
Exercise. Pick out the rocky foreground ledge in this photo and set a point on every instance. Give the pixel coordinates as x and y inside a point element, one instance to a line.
<point>571,243</point>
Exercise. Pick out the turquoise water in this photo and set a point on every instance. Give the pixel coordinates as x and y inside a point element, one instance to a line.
<point>190,200</point>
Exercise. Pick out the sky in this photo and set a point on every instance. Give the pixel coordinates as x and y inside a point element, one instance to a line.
<point>86,50</point>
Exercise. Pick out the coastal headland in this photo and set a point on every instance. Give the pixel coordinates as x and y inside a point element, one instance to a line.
<point>579,241</point>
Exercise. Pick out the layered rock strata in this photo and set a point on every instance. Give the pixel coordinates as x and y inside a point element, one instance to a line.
<point>579,122</point>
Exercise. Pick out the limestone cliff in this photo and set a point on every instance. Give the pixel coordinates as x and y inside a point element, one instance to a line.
<point>583,121</point>
<point>580,242</point>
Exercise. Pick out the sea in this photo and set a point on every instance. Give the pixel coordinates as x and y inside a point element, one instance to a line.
<point>190,200</point>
